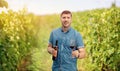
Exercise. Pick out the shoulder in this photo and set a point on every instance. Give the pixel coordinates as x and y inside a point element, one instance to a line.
<point>56,30</point>
<point>76,32</point>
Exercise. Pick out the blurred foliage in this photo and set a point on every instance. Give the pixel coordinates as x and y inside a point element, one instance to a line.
<point>24,38</point>
<point>101,31</point>
<point>16,39</point>
<point>3,3</point>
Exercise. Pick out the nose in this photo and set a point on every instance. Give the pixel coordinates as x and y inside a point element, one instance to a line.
<point>66,19</point>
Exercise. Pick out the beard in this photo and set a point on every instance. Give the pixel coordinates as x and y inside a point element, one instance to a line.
<point>66,24</point>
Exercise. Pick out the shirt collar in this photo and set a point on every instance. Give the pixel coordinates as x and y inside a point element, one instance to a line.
<point>67,30</point>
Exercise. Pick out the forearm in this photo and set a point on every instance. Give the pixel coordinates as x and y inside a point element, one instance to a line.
<point>50,50</point>
<point>82,53</point>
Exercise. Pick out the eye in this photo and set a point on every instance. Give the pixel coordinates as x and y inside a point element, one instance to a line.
<point>63,17</point>
<point>68,17</point>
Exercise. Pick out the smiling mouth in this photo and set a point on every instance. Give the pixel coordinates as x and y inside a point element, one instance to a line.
<point>65,22</point>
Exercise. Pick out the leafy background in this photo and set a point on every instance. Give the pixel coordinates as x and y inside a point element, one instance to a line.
<point>24,39</point>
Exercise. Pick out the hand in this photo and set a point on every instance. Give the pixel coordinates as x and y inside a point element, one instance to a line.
<point>75,53</point>
<point>54,53</point>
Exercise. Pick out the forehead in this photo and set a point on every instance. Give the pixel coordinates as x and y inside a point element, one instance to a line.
<point>66,15</point>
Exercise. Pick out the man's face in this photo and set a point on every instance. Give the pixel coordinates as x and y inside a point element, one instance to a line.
<point>66,20</point>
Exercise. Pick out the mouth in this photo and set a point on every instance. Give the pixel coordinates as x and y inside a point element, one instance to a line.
<point>65,22</point>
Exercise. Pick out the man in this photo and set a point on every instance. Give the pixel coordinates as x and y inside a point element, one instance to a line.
<point>60,43</point>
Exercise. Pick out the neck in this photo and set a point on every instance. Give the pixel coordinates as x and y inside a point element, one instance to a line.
<point>65,29</point>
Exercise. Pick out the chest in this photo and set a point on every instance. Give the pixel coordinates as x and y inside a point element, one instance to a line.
<point>66,39</point>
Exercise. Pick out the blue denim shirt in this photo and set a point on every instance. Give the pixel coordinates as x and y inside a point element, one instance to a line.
<point>64,60</point>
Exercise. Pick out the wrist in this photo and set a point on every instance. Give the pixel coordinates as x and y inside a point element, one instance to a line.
<point>78,55</point>
<point>51,51</point>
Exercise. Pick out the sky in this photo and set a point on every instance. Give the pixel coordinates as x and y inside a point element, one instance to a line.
<point>41,7</point>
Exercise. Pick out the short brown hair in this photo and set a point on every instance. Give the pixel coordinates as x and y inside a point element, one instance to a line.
<point>66,12</point>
